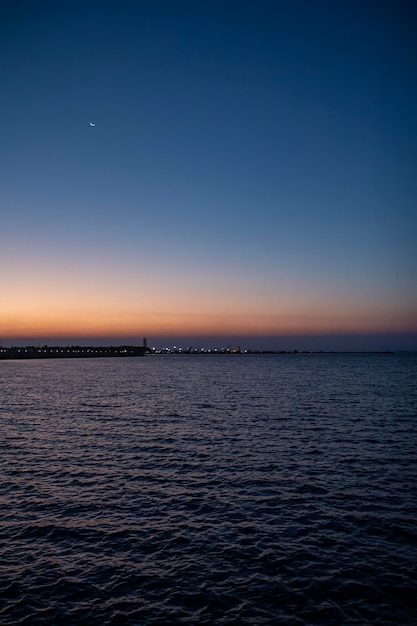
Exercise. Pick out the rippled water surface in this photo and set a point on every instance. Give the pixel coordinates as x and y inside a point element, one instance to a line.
<point>227,489</point>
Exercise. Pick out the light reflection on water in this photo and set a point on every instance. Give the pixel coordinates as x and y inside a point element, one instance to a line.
<point>216,489</point>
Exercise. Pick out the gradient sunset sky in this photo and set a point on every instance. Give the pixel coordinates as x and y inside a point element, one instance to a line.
<point>251,174</point>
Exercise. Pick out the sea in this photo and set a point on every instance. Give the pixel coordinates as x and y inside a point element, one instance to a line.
<point>260,489</point>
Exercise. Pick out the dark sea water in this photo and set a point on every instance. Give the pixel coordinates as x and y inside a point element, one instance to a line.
<point>227,489</point>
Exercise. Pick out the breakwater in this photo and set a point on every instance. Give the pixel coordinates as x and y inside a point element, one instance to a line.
<point>55,352</point>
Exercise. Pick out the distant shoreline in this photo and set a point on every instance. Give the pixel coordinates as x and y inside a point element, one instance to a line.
<point>82,352</point>
<point>71,352</point>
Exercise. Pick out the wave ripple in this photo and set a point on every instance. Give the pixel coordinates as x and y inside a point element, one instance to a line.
<point>209,490</point>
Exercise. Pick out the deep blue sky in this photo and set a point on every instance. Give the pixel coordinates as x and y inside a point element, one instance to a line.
<point>252,168</point>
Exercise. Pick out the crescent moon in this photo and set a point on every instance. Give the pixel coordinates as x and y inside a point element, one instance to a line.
<point>91,124</point>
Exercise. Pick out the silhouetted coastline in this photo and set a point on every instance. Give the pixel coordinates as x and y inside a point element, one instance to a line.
<point>68,352</point>
<point>65,352</point>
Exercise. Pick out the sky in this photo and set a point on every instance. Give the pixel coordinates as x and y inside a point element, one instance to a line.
<point>250,175</point>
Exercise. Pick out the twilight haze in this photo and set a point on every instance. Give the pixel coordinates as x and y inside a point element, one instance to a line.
<point>251,172</point>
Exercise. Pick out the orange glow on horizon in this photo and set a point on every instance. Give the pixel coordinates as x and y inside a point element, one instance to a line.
<point>156,323</point>
<point>86,305</point>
